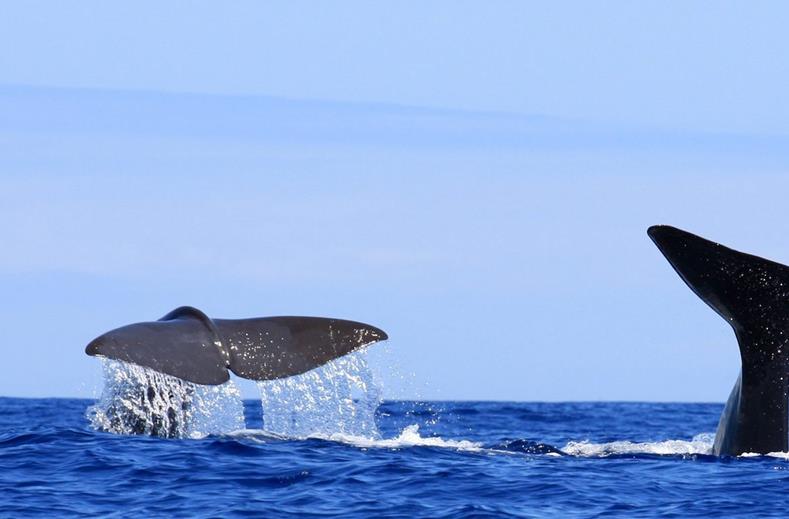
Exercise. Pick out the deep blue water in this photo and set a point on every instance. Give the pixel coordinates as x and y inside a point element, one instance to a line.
<point>488,459</point>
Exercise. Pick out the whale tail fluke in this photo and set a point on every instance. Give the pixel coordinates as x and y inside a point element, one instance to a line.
<point>752,295</point>
<point>189,345</point>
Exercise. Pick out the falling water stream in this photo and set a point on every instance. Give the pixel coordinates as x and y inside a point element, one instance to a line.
<point>338,398</point>
<point>138,400</point>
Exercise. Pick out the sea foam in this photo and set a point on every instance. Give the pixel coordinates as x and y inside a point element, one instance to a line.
<point>700,444</point>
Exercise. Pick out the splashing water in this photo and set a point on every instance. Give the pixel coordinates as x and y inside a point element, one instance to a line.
<point>137,400</point>
<point>700,444</point>
<point>408,437</point>
<point>338,398</point>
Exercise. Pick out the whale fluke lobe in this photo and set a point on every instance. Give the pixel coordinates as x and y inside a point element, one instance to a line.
<point>189,345</point>
<point>752,295</point>
<point>182,344</point>
<point>276,347</point>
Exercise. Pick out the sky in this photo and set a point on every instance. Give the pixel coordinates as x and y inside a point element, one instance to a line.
<point>474,178</point>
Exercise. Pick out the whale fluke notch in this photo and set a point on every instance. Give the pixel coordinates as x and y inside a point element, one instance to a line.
<point>752,295</point>
<point>189,345</point>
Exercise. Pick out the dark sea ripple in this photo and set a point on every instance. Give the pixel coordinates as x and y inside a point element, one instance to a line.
<point>447,459</point>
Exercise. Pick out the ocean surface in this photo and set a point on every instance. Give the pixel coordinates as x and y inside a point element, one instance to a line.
<point>370,458</point>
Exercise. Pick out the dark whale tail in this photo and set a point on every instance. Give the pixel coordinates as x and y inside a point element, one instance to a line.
<point>191,346</point>
<point>752,295</point>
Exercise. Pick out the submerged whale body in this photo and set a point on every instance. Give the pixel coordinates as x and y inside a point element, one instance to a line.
<point>195,349</point>
<point>752,295</point>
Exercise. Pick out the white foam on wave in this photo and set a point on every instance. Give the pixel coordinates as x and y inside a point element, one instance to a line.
<point>408,437</point>
<point>779,455</point>
<point>700,444</point>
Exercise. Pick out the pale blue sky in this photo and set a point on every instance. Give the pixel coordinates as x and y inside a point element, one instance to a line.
<point>475,178</point>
